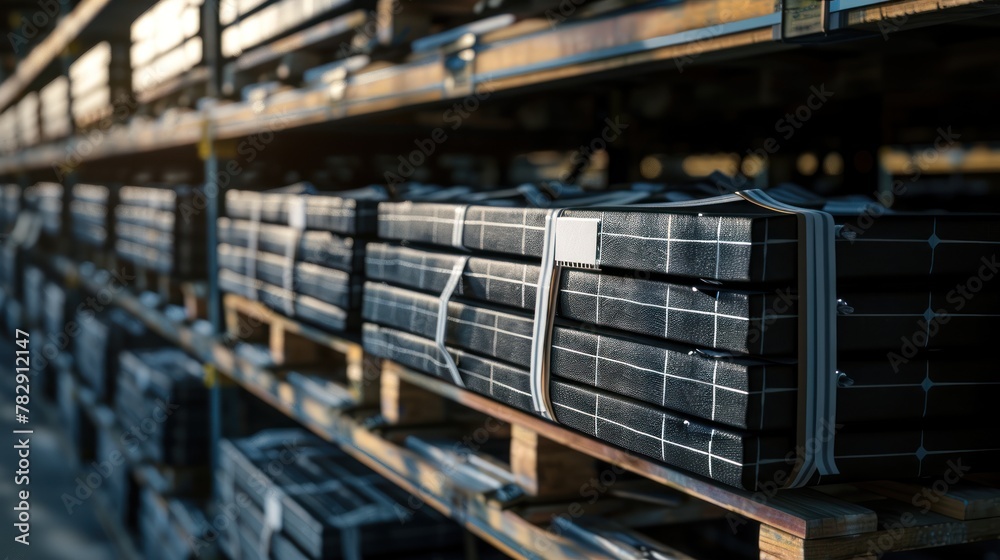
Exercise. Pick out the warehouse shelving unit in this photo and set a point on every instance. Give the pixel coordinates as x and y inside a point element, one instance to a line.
<point>842,521</point>
<point>513,62</point>
<point>748,29</point>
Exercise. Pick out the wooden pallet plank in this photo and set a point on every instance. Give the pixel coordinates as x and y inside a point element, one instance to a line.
<point>290,349</point>
<point>901,527</point>
<point>803,513</point>
<point>503,529</point>
<point>291,343</point>
<point>364,377</point>
<point>195,299</point>
<point>546,469</point>
<point>959,500</point>
<point>406,403</point>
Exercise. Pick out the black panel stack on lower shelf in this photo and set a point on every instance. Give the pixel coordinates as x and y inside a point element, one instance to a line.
<point>300,254</point>
<point>301,497</point>
<point>33,280</point>
<point>102,337</point>
<point>10,206</point>
<point>46,199</point>
<point>157,422</point>
<point>161,392</point>
<point>91,212</point>
<point>175,529</point>
<point>10,209</point>
<point>161,230</point>
<point>682,346</point>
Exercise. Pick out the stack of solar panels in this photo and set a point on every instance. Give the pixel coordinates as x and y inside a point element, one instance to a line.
<point>99,83</point>
<point>679,331</point>
<point>59,303</point>
<point>55,332</point>
<point>102,336</point>
<point>10,206</point>
<point>299,254</point>
<point>54,100</point>
<point>160,229</point>
<point>119,482</point>
<point>10,209</point>
<point>46,199</point>
<point>89,212</point>
<point>301,497</point>
<point>34,280</point>
<point>161,53</point>
<point>28,124</point>
<point>166,385</point>
<point>250,23</point>
<point>71,413</point>
<point>174,529</point>
<point>8,130</point>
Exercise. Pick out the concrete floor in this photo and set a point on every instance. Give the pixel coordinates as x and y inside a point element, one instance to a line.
<point>55,533</point>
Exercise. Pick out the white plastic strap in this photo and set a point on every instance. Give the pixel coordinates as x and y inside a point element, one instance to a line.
<point>252,243</point>
<point>272,520</point>
<point>288,273</point>
<point>296,221</point>
<point>458,232</point>
<point>568,242</point>
<point>273,511</point>
<point>545,302</point>
<point>817,312</point>
<point>442,319</point>
<point>297,212</point>
<point>817,362</point>
<point>142,378</point>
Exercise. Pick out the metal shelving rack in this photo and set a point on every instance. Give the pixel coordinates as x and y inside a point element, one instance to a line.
<point>513,65</point>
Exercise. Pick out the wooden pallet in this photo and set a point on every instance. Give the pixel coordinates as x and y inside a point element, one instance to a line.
<point>151,281</point>
<point>295,345</point>
<point>485,495</point>
<point>838,521</point>
<point>102,258</point>
<point>539,474</point>
<point>195,297</point>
